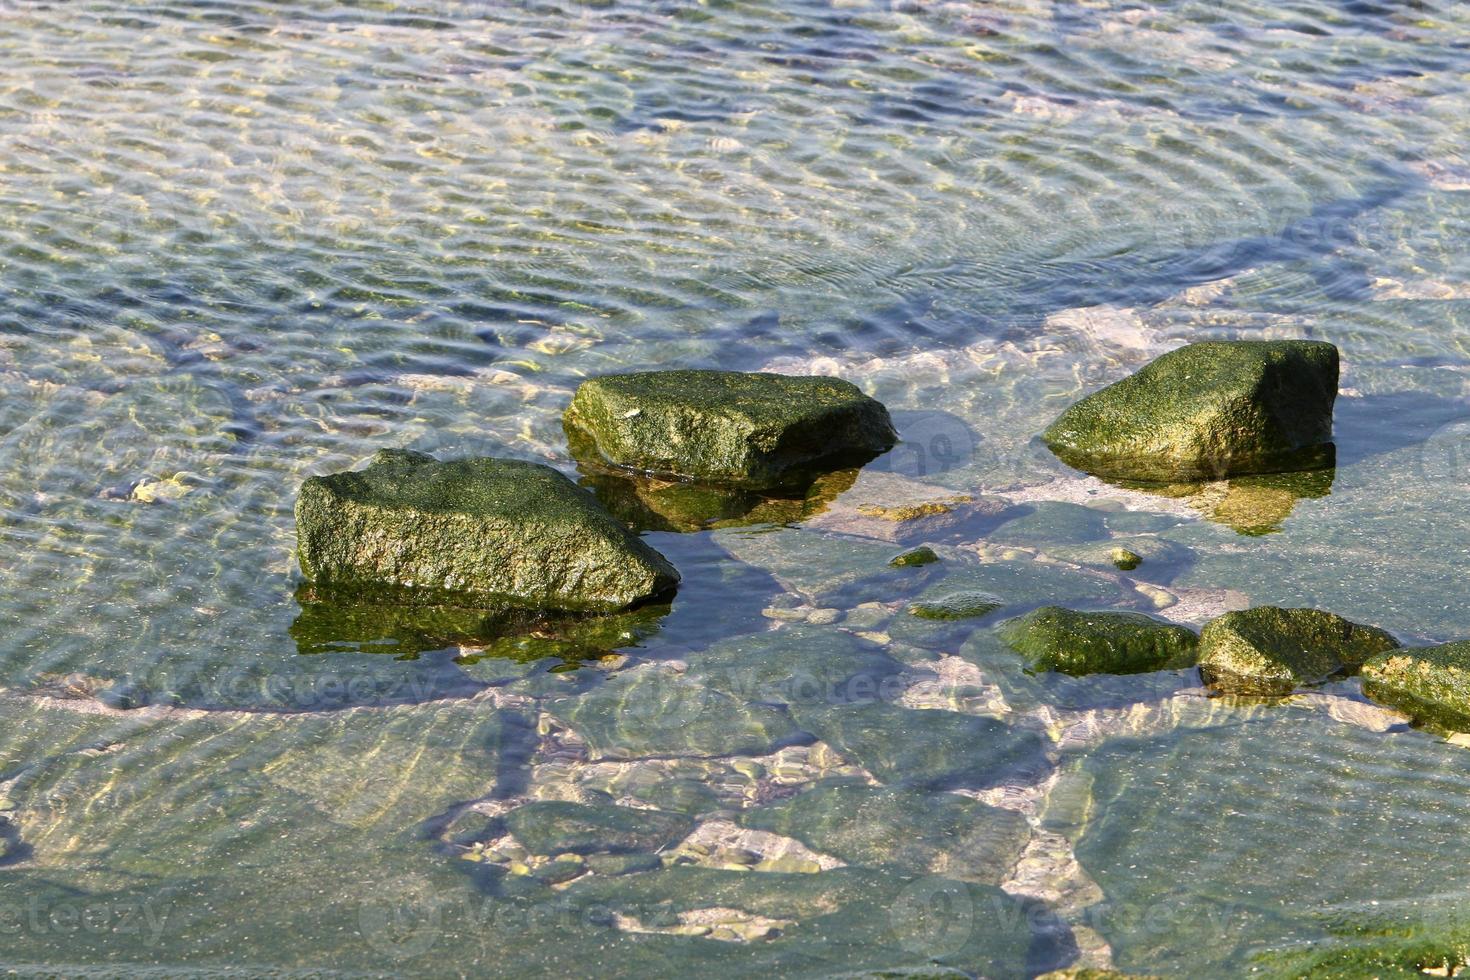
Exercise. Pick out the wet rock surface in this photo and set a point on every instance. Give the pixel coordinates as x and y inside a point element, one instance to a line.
<point>1431,684</point>
<point>1208,410</point>
<point>489,531</point>
<point>1080,643</point>
<point>1272,651</point>
<point>725,427</point>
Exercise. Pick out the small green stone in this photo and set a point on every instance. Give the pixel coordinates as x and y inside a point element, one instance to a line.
<point>1125,559</point>
<point>922,555</point>
<point>956,605</point>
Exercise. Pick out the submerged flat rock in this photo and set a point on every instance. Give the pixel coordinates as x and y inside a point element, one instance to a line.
<point>727,427</point>
<point>1208,411</point>
<point>494,531</point>
<point>1271,651</point>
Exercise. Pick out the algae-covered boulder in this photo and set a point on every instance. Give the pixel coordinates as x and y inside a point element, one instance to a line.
<point>752,430</point>
<point>1271,651</point>
<point>1077,643</point>
<point>1430,684</point>
<point>1208,411</point>
<point>489,531</point>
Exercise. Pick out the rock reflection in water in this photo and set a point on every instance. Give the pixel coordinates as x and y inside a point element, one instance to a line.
<point>332,621</point>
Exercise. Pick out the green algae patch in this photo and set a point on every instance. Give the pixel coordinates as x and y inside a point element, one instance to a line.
<point>911,829</point>
<point>1125,560</point>
<point>552,827</point>
<point>1078,643</point>
<point>726,427</point>
<point>1268,651</point>
<point>483,531</point>
<point>914,557</point>
<point>966,604</point>
<point>1430,684</point>
<point>1208,411</point>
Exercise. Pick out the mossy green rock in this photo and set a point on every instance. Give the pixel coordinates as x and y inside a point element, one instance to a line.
<point>912,829</point>
<point>552,827</point>
<point>1271,651</point>
<point>754,430</point>
<point>1208,411</point>
<point>1430,684</point>
<point>1077,643</point>
<point>914,557</point>
<point>491,531</point>
<point>956,605</point>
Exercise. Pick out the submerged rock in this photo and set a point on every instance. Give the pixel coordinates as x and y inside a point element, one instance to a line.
<point>1077,643</point>
<point>1208,411</point>
<point>968,604</point>
<point>551,827</point>
<point>1124,559</point>
<point>751,430</point>
<point>490,531</point>
<point>920,831</point>
<point>922,555</point>
<point>1271,651</point>
<point>892,507</point>
<point>1430,684</point>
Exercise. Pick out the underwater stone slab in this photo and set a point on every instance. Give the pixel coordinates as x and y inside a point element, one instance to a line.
<point>494,531</point>
<point>551,827</point>
<point>891,507</point>
<point>758,430</point>
<point>931,832</point>
<point>1269,828</point>
<point>1271,651</point>
<point>1208,411</point>
<point>965,604</point>
<point>1078,643</point>
<point>1430,684</point>
<point>926,748</point>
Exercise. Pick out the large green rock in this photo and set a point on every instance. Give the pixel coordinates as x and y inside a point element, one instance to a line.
<point>1208,411</point>
<point>755,430</point>
<point>490,531</point>
<point>1431,684</point>
<point>1271,651</point>
<point>1077,643</point>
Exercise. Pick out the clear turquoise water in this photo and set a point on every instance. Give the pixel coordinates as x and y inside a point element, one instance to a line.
<point>245,243</point>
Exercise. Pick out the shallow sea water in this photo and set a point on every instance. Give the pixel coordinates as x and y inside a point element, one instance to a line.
<point>244,243</point>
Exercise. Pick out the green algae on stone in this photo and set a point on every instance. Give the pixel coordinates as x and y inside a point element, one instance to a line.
<point>755,430</point>
<point>1430,684</point>
<point>1208,411</point>
<point>914,557</point>
<point>1272,651</point>
<point>1078,643</point>
<point>966,604</point>
<point>491,531</point>
<point>552,827</point>
<point>1124,559</point>
<point>912,829</point>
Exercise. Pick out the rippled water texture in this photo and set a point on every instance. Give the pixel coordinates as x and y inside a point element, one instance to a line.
<point>242,243</point>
